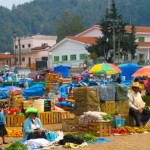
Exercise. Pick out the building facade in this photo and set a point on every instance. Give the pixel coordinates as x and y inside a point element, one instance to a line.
<point>27,50</point>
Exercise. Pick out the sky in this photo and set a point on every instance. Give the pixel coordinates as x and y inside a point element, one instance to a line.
<point>9,3</point>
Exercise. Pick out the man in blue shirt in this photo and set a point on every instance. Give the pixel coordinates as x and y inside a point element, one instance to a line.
<point>3,131</point>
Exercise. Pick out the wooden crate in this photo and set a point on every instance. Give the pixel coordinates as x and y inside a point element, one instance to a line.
<point>46,118</point>
<point>85,94</point>
<point>69,125</point>
<point>18,120</point>
<point>100,129</point>
<point>108,107</point>
<point>122,107</point>
<point>14,120</point>
<point>27,104</point>
<point>83,128</point>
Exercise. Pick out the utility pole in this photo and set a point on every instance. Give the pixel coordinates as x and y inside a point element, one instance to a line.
<point>114,41</point>
<point>14,44</point>
<point>19,52</point>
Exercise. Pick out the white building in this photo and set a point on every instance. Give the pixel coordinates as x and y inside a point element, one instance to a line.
<point>29,49</point>
<point>70,50</point>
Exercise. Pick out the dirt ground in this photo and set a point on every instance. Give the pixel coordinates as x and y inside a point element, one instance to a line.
<point>132,142</point>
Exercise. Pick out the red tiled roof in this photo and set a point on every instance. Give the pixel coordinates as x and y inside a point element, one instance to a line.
<point>88,40</point>
<point>143,43</point>
<point>138,29</point>
<point>6,56</point>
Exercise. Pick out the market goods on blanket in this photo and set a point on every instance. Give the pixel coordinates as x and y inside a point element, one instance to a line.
<point>85,94</point>
<point>108,107</point>
<point>122,107</point>
<point>121,92</point>
<point>107,92</point>
<point>81,107</point>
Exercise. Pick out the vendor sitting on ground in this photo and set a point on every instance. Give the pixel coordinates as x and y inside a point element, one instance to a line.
<point>32,127</point>
<point>137,106</point>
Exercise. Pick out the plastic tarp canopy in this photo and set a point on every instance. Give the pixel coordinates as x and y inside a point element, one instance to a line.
<point>128,70</point>
<point>64,70</point>
<point>4,91</point>
<point>35,90</point>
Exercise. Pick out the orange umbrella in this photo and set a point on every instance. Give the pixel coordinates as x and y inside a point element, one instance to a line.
<point>144,71</point>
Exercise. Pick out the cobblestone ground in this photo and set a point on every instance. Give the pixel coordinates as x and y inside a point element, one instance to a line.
<point>129,142</point>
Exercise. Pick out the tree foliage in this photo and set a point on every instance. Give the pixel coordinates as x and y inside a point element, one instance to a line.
<point>68,25</point>
<point>43,16</point>
<point>115,39</point>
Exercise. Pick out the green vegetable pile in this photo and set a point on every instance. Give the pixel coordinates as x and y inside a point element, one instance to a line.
<point>107,117</point>
<point>87,137</point>
<point>17,146</point>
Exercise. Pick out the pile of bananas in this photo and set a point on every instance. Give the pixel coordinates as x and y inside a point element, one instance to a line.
<point>138,129</point>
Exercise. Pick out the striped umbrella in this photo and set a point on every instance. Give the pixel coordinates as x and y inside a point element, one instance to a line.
<point>104,68</point>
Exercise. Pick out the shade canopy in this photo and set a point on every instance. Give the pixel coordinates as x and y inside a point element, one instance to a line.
<point>104,68</point>
<point>144,71</point>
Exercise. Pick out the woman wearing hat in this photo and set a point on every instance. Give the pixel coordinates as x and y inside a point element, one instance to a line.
<point>137,105</point>
<point>32,127</point>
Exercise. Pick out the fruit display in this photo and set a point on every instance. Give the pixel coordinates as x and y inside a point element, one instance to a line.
<point>119,131</point>
<point>142,129</point>
<point>14,132</point>
<point>11,111</point>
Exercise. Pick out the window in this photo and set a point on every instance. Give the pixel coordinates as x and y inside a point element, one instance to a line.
<point>72,57</point>
<point>82,56</point>
<point>141,39</point>
<point>23,58</point>
<point>45,58</point>
<point>29,45</point>
<point>16,47</point>
<point>56,58</point>
<point>23,46</point>
<point>64,58</point>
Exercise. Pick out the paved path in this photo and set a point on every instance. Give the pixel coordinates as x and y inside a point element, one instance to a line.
<point>129,142</point>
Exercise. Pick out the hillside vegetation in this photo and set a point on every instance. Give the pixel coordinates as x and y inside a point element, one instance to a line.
<point>43,16</point>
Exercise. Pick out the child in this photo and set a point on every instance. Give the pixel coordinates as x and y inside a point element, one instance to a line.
<point>3,131</point>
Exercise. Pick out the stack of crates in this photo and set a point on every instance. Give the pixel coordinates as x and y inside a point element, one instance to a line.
<point>51,81</point>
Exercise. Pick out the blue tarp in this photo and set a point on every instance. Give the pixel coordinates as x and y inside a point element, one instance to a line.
<point>128,70</point>
<point>64,70</point>
<point>4,91</point>
<point>35,90</point>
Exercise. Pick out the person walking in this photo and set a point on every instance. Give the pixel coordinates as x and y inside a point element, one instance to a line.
<point>3,130</point>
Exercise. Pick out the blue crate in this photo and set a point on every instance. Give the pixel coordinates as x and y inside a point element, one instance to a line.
<point>119,122</point>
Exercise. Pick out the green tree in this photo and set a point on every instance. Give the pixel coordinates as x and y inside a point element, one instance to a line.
<point>69,25</point>
<point>114,37</point>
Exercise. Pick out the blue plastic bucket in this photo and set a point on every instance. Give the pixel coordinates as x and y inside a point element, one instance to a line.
<point>119,122</point>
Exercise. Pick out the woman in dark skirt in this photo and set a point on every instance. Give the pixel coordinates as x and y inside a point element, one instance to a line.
<point>3,131</point>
